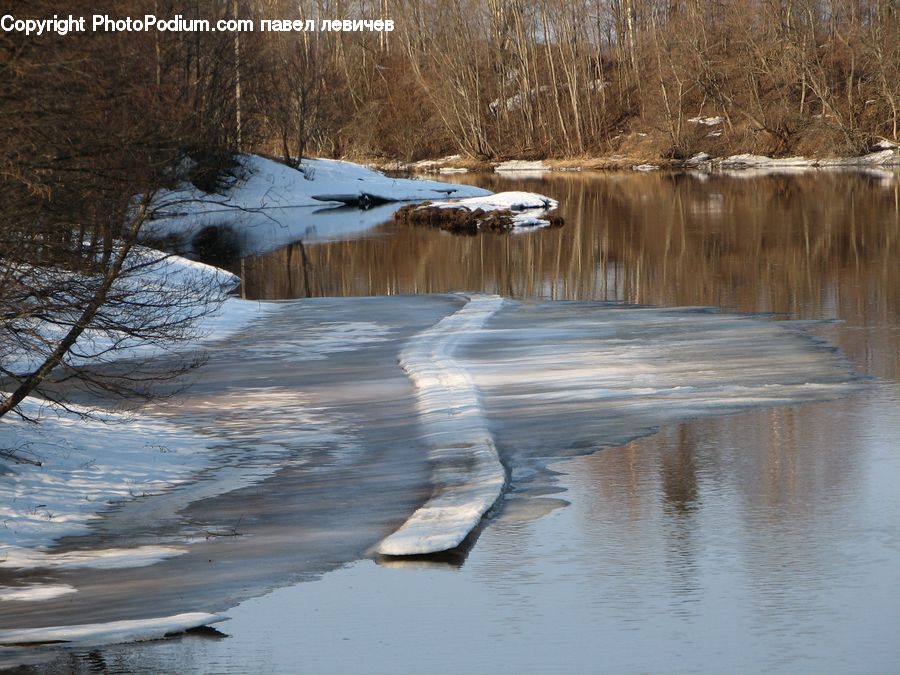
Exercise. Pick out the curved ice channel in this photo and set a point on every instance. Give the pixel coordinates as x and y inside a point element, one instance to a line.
<point>467,475</point>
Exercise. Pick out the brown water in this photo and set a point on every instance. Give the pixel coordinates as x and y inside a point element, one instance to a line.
<point>754,243</point>
<point>765,540</point>
<point>811,246</point>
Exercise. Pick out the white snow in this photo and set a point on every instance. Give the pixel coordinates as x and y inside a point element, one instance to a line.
<point>706,121</point>
<point>889,156</point>
<point>523,168</point>
<point>103,559</point>
<point>111,632</point>
<point>34,592</point>
<point>176,269</point>
<point>85,464</point>
<point>514,201</point>
<point>271,204</point>
<point>645,167</point>
<point>529,209</point>
<point>218,315</point>
<point>748,160</point>
<point>432,164</point>
<point>467,476</point>
<point>885,144</point>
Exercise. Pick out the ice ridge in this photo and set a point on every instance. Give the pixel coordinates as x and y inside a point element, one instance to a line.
<point>467,475</point>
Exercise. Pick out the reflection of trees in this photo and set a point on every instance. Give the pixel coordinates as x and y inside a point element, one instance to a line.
<point>679,473</point>
<point>772,495</point>
<point>816,245</point>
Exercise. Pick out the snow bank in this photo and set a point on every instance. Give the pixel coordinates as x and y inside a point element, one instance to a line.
<point>889,156</point>
<point>215,314</point>
<point>514,201</point>
<point>272,204</point>
<point>885,144</point>
<point>435,164</point>
<point>173,290</point>
<point>71,470</point>
<point>76,468</point>
<point>103,559</point>
<point>523,168</point>
<point>528,209</point>
<point>706,121</point>
<point>748,160</point>
<point>172,269</point>
<point>467,476</point>
<point>112,632</point>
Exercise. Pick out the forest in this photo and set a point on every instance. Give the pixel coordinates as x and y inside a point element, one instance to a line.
<point>485,79</point>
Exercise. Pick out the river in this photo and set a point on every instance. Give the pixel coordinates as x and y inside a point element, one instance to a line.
<point>740,534</point>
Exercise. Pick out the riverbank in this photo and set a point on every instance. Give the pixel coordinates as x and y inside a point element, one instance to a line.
<point>883,153</point>
<point>76,462</point>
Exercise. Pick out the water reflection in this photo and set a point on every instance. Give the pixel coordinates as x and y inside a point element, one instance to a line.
<point>821,245</point>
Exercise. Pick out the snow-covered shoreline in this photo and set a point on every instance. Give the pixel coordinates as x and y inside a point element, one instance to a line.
<point>885,154</point>
<point>139,630</point>
<point>98,464</point>
<point>272,204</point>
<point>61,473</point>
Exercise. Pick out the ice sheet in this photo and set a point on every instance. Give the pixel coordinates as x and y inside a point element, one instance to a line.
<point>467,476</point>
<point>111,632</point>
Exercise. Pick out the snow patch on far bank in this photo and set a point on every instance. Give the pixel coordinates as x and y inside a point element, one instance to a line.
<point>886,157</point>
<point>523,168</point>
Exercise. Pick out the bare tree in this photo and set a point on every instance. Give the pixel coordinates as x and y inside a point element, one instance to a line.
<point>86,147</point>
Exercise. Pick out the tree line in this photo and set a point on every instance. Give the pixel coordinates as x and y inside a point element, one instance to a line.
<point>562,78</point>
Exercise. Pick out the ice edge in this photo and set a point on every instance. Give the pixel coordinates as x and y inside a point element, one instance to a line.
<point>467,474</point>
<point>111,632</point>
